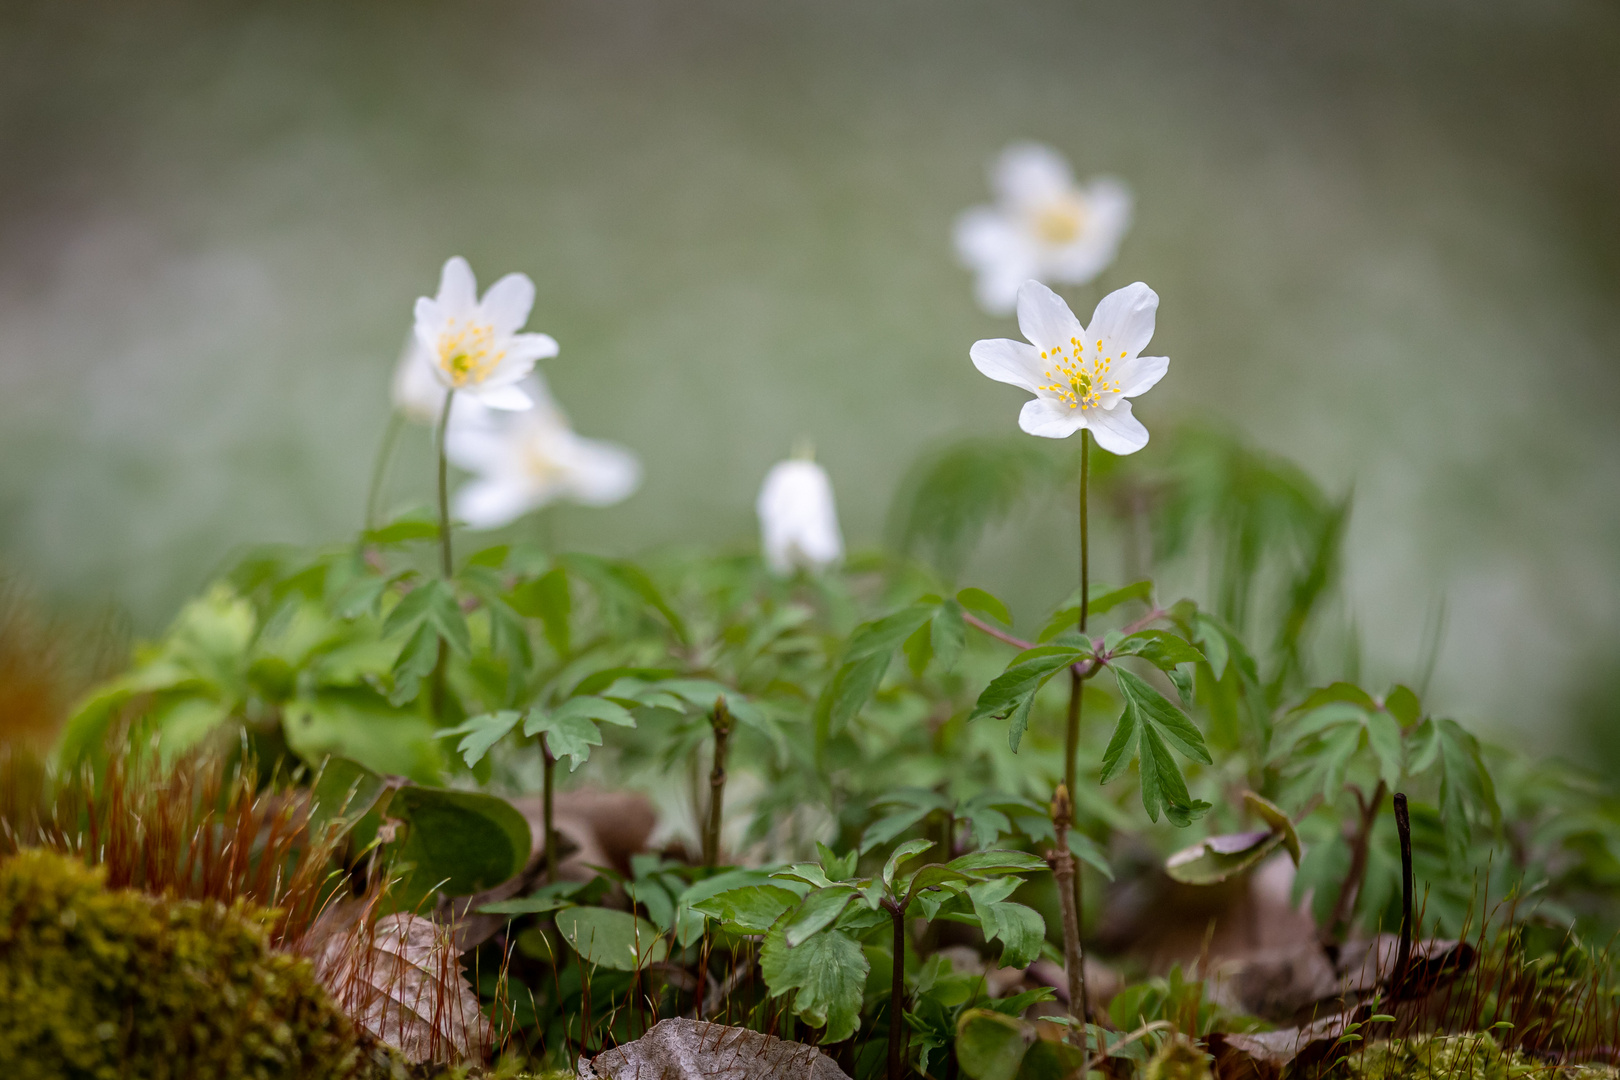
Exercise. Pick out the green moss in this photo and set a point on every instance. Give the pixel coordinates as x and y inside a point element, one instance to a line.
<point>1178,1059</point>
<point>97,983</point>
<point>1455,1057</point>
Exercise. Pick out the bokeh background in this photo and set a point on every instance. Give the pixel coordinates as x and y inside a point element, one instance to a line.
<point>1387,238</point>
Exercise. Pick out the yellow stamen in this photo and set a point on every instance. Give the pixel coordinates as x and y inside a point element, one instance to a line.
<point>1080,381</point>
<point>467,353</point>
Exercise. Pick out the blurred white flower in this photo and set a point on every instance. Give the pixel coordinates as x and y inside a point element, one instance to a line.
<point>1043,226</point>
<point>473,346</point>
<point>798,521</point>
<point>1080,375</point>
<point>522,461</point>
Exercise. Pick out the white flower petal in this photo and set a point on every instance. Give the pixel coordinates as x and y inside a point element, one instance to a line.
<point>798,518</point>
<point>417,392</point>
<point>508,397</point>
<point>1049,420</point>
<point>601,473</point>
<point>1044,318</point>
<point>1116,430</point>
<point>1030,172</point>
<point>1123,321</point>
<point>507,304</point>
<point>532,346</point>
<point>1138,375</point>
<point>490,503</point>
<point>1007,361</point>
<point>985,237</point>
<point>997,292</point>
<point>458,289</point>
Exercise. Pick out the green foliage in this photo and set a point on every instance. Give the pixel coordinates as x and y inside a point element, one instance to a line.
<point>102,983</point>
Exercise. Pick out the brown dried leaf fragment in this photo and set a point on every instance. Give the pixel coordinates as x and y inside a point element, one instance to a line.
<point>681,1049</point>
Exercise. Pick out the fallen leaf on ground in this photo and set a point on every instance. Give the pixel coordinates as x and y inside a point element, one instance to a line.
<point>680,1049</point>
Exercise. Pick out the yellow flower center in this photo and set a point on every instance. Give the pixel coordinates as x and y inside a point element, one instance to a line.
<point>467,352</point>
<point>538,462</point>
<point>1061,220</point>
<point>1078,381</point>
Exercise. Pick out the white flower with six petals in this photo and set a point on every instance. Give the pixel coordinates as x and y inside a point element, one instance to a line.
<point>473,346</point>
<point>525,460</point>
<point>1043,226</point>
<point>1081,376</point>
<point>798,520</point>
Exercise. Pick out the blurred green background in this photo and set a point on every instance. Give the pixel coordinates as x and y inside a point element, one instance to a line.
<point>1386,237</point>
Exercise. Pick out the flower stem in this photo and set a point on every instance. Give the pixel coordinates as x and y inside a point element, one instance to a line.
<point>721,722</point>
<point>1085,546</point>
<point>1067,876</point>
<point>445,564</point>
<point>1403,959</point>
<point>379,471</point>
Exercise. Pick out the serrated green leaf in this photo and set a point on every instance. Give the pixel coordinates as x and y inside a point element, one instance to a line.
<point>568,736</point>
<point>482,732</point>
<point>1169,722</point>
<point>997,861</point>
<point>1121,746</point>
<point>853,686</point>
<point>1162,785</point>
<point>826,976</point>
<point>588,707</point>
<point>1403,705</point>
<point>1020,929</point>
<point>919,649</point>
<point>416,661</point>
<point>752,909</point>
<point>816,911</point>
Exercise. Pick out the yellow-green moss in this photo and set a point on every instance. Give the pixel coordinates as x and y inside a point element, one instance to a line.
<point>97,983</point>
<point>1458,1057</point>
<point>1178,1059</point>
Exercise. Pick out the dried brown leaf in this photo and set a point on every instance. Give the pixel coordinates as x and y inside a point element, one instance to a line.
<point>681,1049</point>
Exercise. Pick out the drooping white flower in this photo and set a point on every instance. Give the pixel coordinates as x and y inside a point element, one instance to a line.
<point>798,521</point>
<point>473,346</point>
<point>1080,375</point>
<point>1043,226</point>
<point>522,461</point>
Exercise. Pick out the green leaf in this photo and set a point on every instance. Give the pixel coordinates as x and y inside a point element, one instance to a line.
<point>1403,705</point>
<point>1384,736</point>
<point>949,634</point>
<point>482,732</point>
<point>1168,722</point>
<point>611,939</point>
<point>416,662</point>
<point>547,598</point>
<point>1162,785</point>
<point>990,1046</point>
<point>412,608</point>
<point>1020,929</point>
<point>905,851</point>
<point>1160,648</point>
<point>884,635</point>
<point>854,685</point>
<point>826,976</point>
<point>815,912</point>
<point>1212,639</point>
<point>887,828</point>
<point>933,876</point>
<point>344,791</point>
<point>984,605</point>
<point>403,531</point>
<point>587,707</point>
<point>1105,601</point>
<point>1218,858</point>
<point>1273,815</point>
<point>459,841</point>
<point>1121,747</point>
<point>997,861</point>
<point>752,909</point>
<point>1027,673</point>
<point>1464,783</point>
<point>1018,722</point>
<point>919,649</point>
<point>567,734</point>
<point>1334,758</point>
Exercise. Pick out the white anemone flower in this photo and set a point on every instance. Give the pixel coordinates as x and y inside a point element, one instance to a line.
<point>522,461</point>
<point>473,346</point>
<point>798,520</point>
<point>1080,375</point>
<point>1043,226</point>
